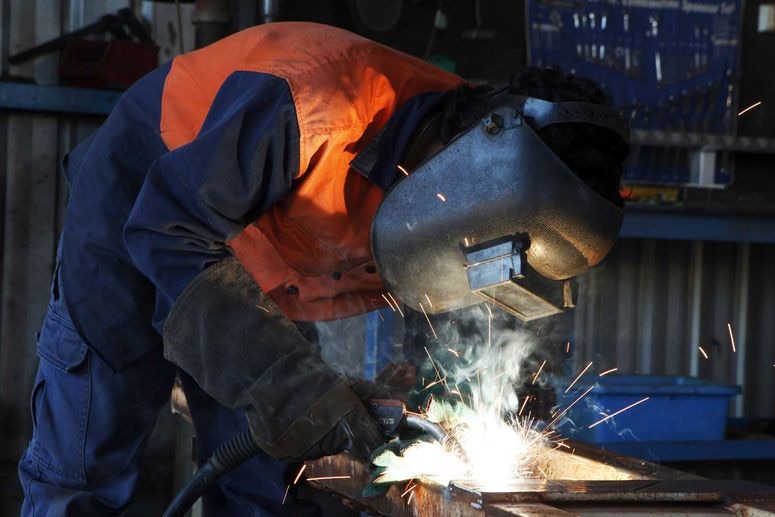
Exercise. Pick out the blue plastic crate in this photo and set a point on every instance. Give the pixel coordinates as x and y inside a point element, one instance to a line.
<point>678,409</point>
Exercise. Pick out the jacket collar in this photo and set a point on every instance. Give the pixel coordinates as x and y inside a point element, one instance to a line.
<point>378,161</point>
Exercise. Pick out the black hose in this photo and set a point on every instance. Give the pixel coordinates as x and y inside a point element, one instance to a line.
<point>426,426</point>
<point>226,458</point>
<point>438,433</point>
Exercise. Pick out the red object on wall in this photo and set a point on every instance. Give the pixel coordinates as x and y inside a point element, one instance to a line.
<point>106,64</point>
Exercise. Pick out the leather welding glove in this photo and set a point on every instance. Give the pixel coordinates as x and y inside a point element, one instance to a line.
<point>378,463</point>
<point>372,488</point>
<point>239,347</point>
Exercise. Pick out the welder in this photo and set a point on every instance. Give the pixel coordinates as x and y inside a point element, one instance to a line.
<point>225,205</point>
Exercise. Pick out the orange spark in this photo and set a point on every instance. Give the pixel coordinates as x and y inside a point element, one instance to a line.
<point>324,478</point>
<point>301,470</point>
<point>403,170</point>
<point>398,307</point>
<point>620,411</point>
<point>389,302</point>
<point>262,308</point>
<point>524,405</point>
<point>441,196</point>
<point>409,487</point>
<point>434,383</point>
<point>731,337</point>
<point>453,352</point>
<point>430,304</point>
<point>429,322</point>
<point>703,352</point>
<point>612,370</point>
<point>465,240</point>
<point>568,408</point>
<point>578,377</point>
<point>535,377</point>
<point>287,487</point>
<point>567,347</point>
<point>456,392</point>
<point>438,375</point>
<point>498,376</point>
<point>489,326</point>
<point>749,108</point>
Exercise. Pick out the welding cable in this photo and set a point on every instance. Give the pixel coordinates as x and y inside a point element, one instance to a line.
<point>438,433</point>
<point>426,426</point>
<point>226,458</point>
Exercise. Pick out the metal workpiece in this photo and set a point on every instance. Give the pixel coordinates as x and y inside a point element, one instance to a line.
<point>346,477</point>
<point>585,482</point>
<point>512,185</point>
<point>644,497</point>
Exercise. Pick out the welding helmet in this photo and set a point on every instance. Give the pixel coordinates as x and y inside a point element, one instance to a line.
<point>496,215</point>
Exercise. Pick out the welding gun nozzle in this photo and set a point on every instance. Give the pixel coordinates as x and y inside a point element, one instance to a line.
<point>426,426</point>
<point>438,432</point>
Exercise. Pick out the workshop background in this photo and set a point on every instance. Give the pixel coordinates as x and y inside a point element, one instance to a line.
<point>695,265</point>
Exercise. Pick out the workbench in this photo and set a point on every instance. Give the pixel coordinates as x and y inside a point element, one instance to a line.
<point>580,481</point>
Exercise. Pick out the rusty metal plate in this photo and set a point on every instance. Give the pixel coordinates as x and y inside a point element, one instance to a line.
<point>625,489</point>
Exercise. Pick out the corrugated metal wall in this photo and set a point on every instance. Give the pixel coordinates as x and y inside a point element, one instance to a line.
<point>32,196</point>
<point>651,304</point>
<point>32,200</point>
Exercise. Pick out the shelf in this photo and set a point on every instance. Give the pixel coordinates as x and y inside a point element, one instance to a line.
<point>56,99</point>
<point>639,222</point>
<point>676,225</point>
<point>740,144</point>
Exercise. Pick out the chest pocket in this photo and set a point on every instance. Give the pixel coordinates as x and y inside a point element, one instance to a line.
<point>296,244</point>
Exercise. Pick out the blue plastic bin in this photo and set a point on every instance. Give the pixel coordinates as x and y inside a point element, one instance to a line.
<point>678,409</point>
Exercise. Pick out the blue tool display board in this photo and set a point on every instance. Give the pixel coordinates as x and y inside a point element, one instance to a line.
<point>668,64</point>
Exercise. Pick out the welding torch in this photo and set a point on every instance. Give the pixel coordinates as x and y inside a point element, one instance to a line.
<point>391,415</point>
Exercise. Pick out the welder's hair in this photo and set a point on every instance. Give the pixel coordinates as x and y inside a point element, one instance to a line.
<point>595,154</point>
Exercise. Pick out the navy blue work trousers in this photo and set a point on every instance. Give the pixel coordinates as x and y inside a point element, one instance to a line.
<point>91,425</point>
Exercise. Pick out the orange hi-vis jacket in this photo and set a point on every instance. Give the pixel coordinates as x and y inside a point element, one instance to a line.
<point>310,251</point>
<point>241,148</point>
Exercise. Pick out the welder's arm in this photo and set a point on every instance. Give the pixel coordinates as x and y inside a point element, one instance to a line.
<point>255,358</point>
<point>193,201</point>
<point>202,194</point>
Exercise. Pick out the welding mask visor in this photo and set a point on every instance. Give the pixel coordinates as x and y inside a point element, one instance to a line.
<point>495,215</point>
